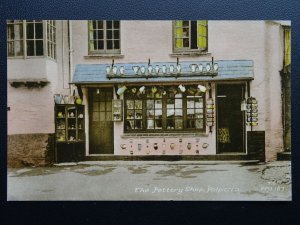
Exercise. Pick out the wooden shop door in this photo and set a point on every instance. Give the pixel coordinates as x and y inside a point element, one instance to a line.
<point>100,121</point>
<point>230,118</point>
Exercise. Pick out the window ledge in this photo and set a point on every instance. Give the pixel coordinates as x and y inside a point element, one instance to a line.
<point>96,56</point>
<point>177,54</point>
<point>164,135</point>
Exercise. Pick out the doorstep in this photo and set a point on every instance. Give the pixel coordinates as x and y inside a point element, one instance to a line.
<point>225,157</point>
<point>282,156</point>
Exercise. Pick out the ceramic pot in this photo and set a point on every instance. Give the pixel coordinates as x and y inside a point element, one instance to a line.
<point>58,98</point>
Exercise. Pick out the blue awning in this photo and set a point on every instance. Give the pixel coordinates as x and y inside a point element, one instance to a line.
<point>228,70</point>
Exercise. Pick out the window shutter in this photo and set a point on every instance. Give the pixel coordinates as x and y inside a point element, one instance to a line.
<point>202,34</point>
<point>178,33</point>
<point>287,47</point>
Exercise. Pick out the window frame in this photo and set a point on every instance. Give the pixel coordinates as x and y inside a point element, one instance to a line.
<point>164,129</point>
<point>44,39</point>
<point>105,51</point>
<point>189,49</point>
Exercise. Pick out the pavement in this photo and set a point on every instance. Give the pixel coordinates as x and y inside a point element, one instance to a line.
<point>152,180</point>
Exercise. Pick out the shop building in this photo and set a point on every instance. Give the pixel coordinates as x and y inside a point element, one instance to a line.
<point>147,89</point>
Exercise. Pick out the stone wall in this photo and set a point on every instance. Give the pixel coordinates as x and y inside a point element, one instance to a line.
<point>30,150</point>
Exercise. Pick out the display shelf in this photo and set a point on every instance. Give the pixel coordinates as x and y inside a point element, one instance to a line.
<point>69,132</point>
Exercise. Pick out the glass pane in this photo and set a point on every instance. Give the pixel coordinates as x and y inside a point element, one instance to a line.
<point>109,24</point>
<point>199,124</point>
<point>178,123</point>
<point>185,32</point>
<point>95,35</point>
<point>19,48</point>
<point>116,24</point>
<point>10,32</point>
<point>178,95</point>
<point>138,104</point>
<point>10,48</point>
<point>158,112</point>
<point>102,96</point>
<point>198,116</point>
<point>150,124</point>
<point>150,113</point>
<point>109,34</point>
<point>95,116</point>
<point>178,112</point>
<point>190,112</point>
<point>198,103</point>
<point>39,48</point>
<point>158,123</point>
<point>100,24</point>
<point>108,106</point>
<point>170,124</point>
<point>190,103</point>
<point>186,42</point>
<point>102,106</point>
<point>129,124</point>
<point>199,110</point>
<point>170,113</point>
<point>100,34</point>
<point>109,44</point>
<point>130,114</point>
<point>138,124</point>
<point>186,23</point>
<point>138,114</point>
<point>94,22</point>
<point>150,104</point>
<point>130,104</point>
<point>178,103</point>
<point>29,31</point>
<point>116,34</point>
<point>108,116</point>
<point>100,45</point>
<point>170,103</point>
<point>158,104</point>
<point>39,31</point>
<point>95,106</point>
<point>102,116</point>
<point>116,44</point>
<point>30,48</point>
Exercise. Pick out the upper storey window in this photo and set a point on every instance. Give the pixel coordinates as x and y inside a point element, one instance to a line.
<point>28,38</point>
<point>104,37</point>
<point>190,36</point>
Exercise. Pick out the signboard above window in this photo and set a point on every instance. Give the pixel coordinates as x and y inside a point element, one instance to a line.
<point>162,70</point>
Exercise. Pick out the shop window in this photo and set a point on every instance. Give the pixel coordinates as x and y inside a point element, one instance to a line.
<point>26,38</point>
<point>104,36</point>
<point>166,110</point>
<point>190,35</point>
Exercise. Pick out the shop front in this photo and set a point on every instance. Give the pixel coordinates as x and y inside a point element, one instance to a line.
<point>186,109</point>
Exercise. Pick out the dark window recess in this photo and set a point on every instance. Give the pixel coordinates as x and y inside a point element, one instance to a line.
<point>30,48</point>
<point>194,35</point>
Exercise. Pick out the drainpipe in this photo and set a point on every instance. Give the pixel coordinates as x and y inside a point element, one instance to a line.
<point>70,54</point>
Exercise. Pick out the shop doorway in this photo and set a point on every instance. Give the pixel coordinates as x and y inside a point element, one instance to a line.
<point>100,121</point>
<point>230,118</point>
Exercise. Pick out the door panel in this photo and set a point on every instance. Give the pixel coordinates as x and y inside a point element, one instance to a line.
<point>230,130</point>
<point>101,124</point>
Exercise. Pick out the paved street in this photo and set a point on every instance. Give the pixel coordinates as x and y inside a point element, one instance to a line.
<point>152,180</point>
